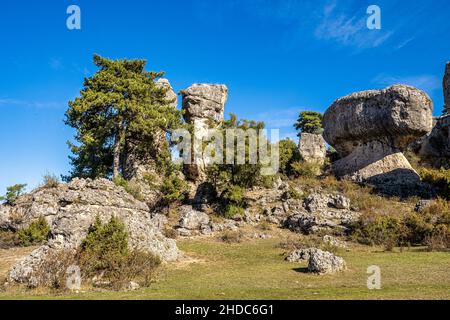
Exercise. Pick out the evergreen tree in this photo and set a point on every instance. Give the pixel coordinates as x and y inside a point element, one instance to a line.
<point>119,105</point>
<point>309,122</point>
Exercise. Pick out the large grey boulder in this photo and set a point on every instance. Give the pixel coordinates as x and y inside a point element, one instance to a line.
<point>203,107</point>
<point>192,219</point>
<point>312,148</point>
<point>324,262</point>
<point>371,129</point>
<point>71,209</point>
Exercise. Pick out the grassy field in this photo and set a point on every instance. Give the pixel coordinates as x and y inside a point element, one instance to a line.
<point>255,269</point>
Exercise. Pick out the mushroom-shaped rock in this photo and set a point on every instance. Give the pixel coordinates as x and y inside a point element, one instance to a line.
<point>370,129</point>
<point>204,102</point>
<point>203,107</point>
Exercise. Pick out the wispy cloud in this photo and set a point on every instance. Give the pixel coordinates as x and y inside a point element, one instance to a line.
<point>348,28</point>
<point>31,104</point>
<point>56,64</point>
<point>428,83</point>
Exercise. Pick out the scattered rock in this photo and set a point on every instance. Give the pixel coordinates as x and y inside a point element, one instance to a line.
<point>312,148</point>
<point>334,242</point>
<point>192,219</point>
<point>299,255</point>
<point>370,130</point>
<point>324,213</point>
<point>132,286</point>
<point>323,262</point>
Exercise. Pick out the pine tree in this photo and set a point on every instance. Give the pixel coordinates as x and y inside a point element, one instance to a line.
<point>119,105</point>
<point>309,122</point>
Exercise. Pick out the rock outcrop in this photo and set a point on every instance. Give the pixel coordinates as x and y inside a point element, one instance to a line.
<point>371,129</point>
<point>312,148</point>
<point>322,213</point>
<point>203,107</point>
<point>435,147</point>
<point>446,86</point>
<point>324,262</point>
<point>70,209</point>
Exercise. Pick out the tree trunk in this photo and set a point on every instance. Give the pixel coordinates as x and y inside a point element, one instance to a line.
<point>117,149</point>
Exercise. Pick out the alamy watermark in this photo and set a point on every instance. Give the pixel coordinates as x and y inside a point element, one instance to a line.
<point>374,19</point>
<point>73,22</point>
<point>231,146</point>
<point>374,278</point>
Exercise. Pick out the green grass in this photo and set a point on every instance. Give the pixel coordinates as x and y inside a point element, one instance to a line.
<point>256,270</point>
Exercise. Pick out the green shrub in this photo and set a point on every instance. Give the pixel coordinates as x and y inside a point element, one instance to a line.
<point>36,233</point>
<point>233,201</point>
<point>174,189</point>
<point>431,228</point>
<point>380,230</point>
<point>440,179</point>
<point>12,193</point>
<point>306,169</point>
<point>105,253</point>
<point>289,154</point>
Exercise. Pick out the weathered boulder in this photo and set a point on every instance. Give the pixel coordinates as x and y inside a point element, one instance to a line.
<point>299,255</point>
<point>323,262</point>
<point>370,129</point>
<point>71,209</point>
<point>192,219</point>
<point>204,102</point>
<point>312,148</point>
<point>322,213</point>
<point>203,106</point>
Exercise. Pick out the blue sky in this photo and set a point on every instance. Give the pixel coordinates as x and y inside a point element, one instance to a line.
<point>276,57</point>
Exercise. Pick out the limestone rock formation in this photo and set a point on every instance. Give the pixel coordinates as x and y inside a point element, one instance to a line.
<point>370,130</point>
<point>138,166</point>
<point>299,255</point>
<point>446,85</point>
<point>323,262</point>
<point>312,148</point>
<point>322,213</point>
<point>435,147</point>
<point>192,221</point>
<point>203,107</point>
<point>71,209</point>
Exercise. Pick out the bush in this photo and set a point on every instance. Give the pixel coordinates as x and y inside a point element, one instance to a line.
<point>288,155</point>
<point>174,189</point>
<point>306,169</point>
<point>12,193</point>
<point>105,254</point>
<point>232,237</point>
<point>36,233</point>
<point>233,201</point>
<point>431,228</point>
<point>50,181</point>
<point>440,179</point>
